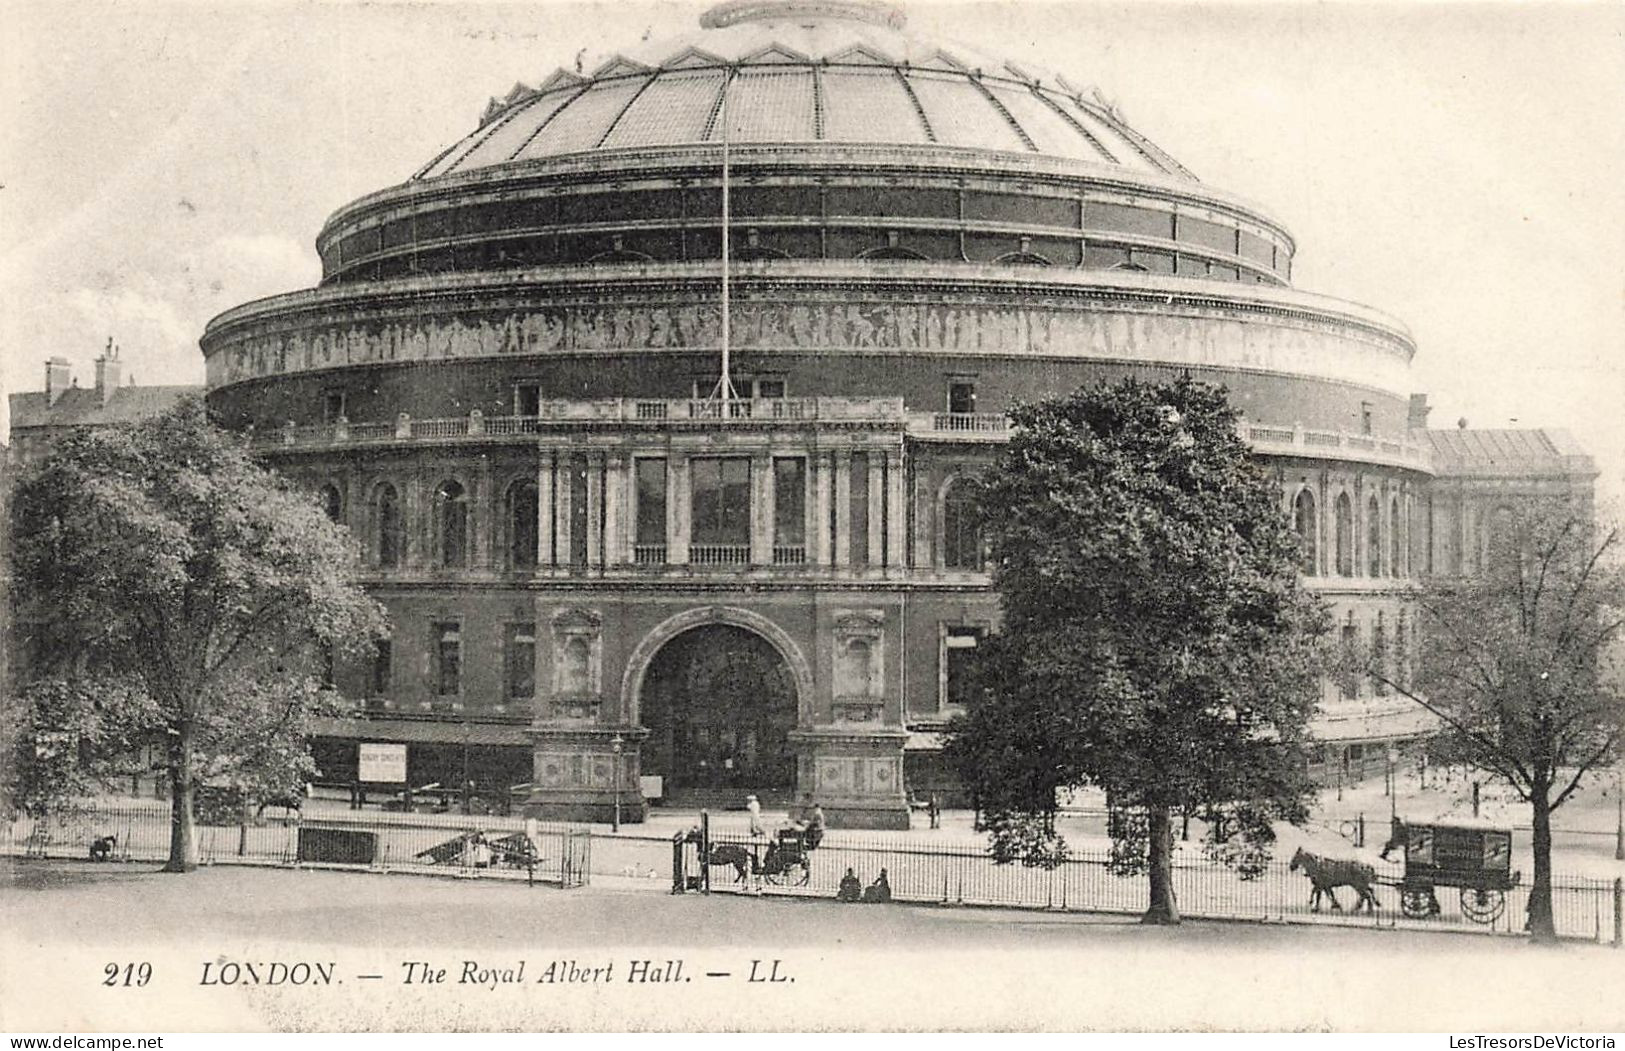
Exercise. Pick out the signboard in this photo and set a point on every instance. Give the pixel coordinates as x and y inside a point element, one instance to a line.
<point>382,764</point>
<point>652,787</point>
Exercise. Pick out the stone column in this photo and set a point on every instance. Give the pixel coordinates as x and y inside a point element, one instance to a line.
<point>677,509</point>
<point>896,512</point>
<point>414,522</point>
<point>595,504</point>
<point>822,551</point>
<point>544,510</point>
<point>482,516</point>
<point>877,509</point>
<point>563,491</point>
<point>761,510</point>
<point>843,508</point>
<point>616,510</point>
<point>924,514</point>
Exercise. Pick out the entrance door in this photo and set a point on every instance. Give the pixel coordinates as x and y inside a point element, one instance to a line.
<point>719,703</point>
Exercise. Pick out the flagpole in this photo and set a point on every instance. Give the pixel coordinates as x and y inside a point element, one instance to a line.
<point>725,384</point>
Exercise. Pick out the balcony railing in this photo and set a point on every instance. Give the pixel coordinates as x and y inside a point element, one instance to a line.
<point>789,555</point>
<point>554,414</point>
<point>1331,443</point>
<point>883,412</point>
<point>719,554</point>
<point>648,554</point>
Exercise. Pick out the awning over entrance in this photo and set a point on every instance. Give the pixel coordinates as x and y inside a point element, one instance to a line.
<point>416,731</point>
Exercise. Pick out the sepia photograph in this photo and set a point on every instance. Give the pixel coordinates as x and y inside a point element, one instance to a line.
<point>808,516</point>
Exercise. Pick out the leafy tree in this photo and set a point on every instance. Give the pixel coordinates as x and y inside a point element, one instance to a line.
<point>1155,641</point>
<point>1519,660</point>
<point>182,595</point>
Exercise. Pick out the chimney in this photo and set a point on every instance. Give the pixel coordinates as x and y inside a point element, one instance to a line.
<point>1417,419</point>
<point>58,374</point>
<point>107,372</point>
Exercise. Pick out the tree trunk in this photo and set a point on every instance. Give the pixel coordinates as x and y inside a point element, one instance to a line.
<point>1541,928</point>
<point>1164,909</point>
<point>182,834</point>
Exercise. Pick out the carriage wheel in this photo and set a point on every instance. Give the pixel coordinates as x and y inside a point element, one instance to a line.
<point>1482,906</point>
<point>1416,902</point>
<point>793,875</point>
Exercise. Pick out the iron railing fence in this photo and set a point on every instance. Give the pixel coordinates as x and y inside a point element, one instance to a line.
<point>449,844</point>
<point>1583,908</point>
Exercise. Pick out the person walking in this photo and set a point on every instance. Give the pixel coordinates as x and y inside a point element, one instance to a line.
<point>815,827</point>
<point>754,809</point>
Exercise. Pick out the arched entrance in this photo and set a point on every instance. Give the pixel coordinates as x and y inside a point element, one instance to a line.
<point>719,703</point>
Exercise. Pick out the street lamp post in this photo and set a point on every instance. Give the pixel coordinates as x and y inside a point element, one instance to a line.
<point>1619,810</point>
<point>467,803</point>
<point>615,816</point>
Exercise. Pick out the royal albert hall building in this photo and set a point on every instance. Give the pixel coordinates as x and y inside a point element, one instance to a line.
<point>602,579</point>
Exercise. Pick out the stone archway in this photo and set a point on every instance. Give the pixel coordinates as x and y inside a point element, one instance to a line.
<point>720,692</point>
<point>638,664</point>
<point>719,706</point>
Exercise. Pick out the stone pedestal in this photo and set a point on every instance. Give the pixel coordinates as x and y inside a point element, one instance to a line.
<point>574,774</point>
<point>855,775</point>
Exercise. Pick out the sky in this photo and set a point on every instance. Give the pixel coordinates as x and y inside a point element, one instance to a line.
<point>1455,165</point>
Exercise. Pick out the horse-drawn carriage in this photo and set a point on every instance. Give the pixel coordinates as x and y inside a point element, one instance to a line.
<point>784,860</point>
<point>1474,858</point>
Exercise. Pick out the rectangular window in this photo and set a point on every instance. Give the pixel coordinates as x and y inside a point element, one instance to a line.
<point>448,651</point>
<point>769,388</point>
<point>1365,417</point>
<point>789,509</point>
<point>332,406</point>
<point>958,650</point>
<point>520,660</point>
<point>651,508</point>
<point>382,657</point>
<point>859,525</point>
<point>961,395</point>
<point>720,500</point>
<point>527,399</point>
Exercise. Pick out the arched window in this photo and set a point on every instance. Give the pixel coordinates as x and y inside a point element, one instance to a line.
<point>961,530</point>
<point>332,502</point>
<point>1307,525</point>
<point>522,509</point>
<point>1373,538</point>
<point>1343,535</point>
<point>1023,259</point>
<point>1396,545</point>
<point>451,524</point>
<point>890,252</point>
<point>391,537</point>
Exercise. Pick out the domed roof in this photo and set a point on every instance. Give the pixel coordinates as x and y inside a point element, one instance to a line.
<point>802,71</point>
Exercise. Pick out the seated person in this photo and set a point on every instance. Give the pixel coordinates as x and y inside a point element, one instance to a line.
<point>851,889</point>
<point>878,892</point>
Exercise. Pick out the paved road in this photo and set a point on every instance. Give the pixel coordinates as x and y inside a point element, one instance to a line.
<point>854,966</point>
